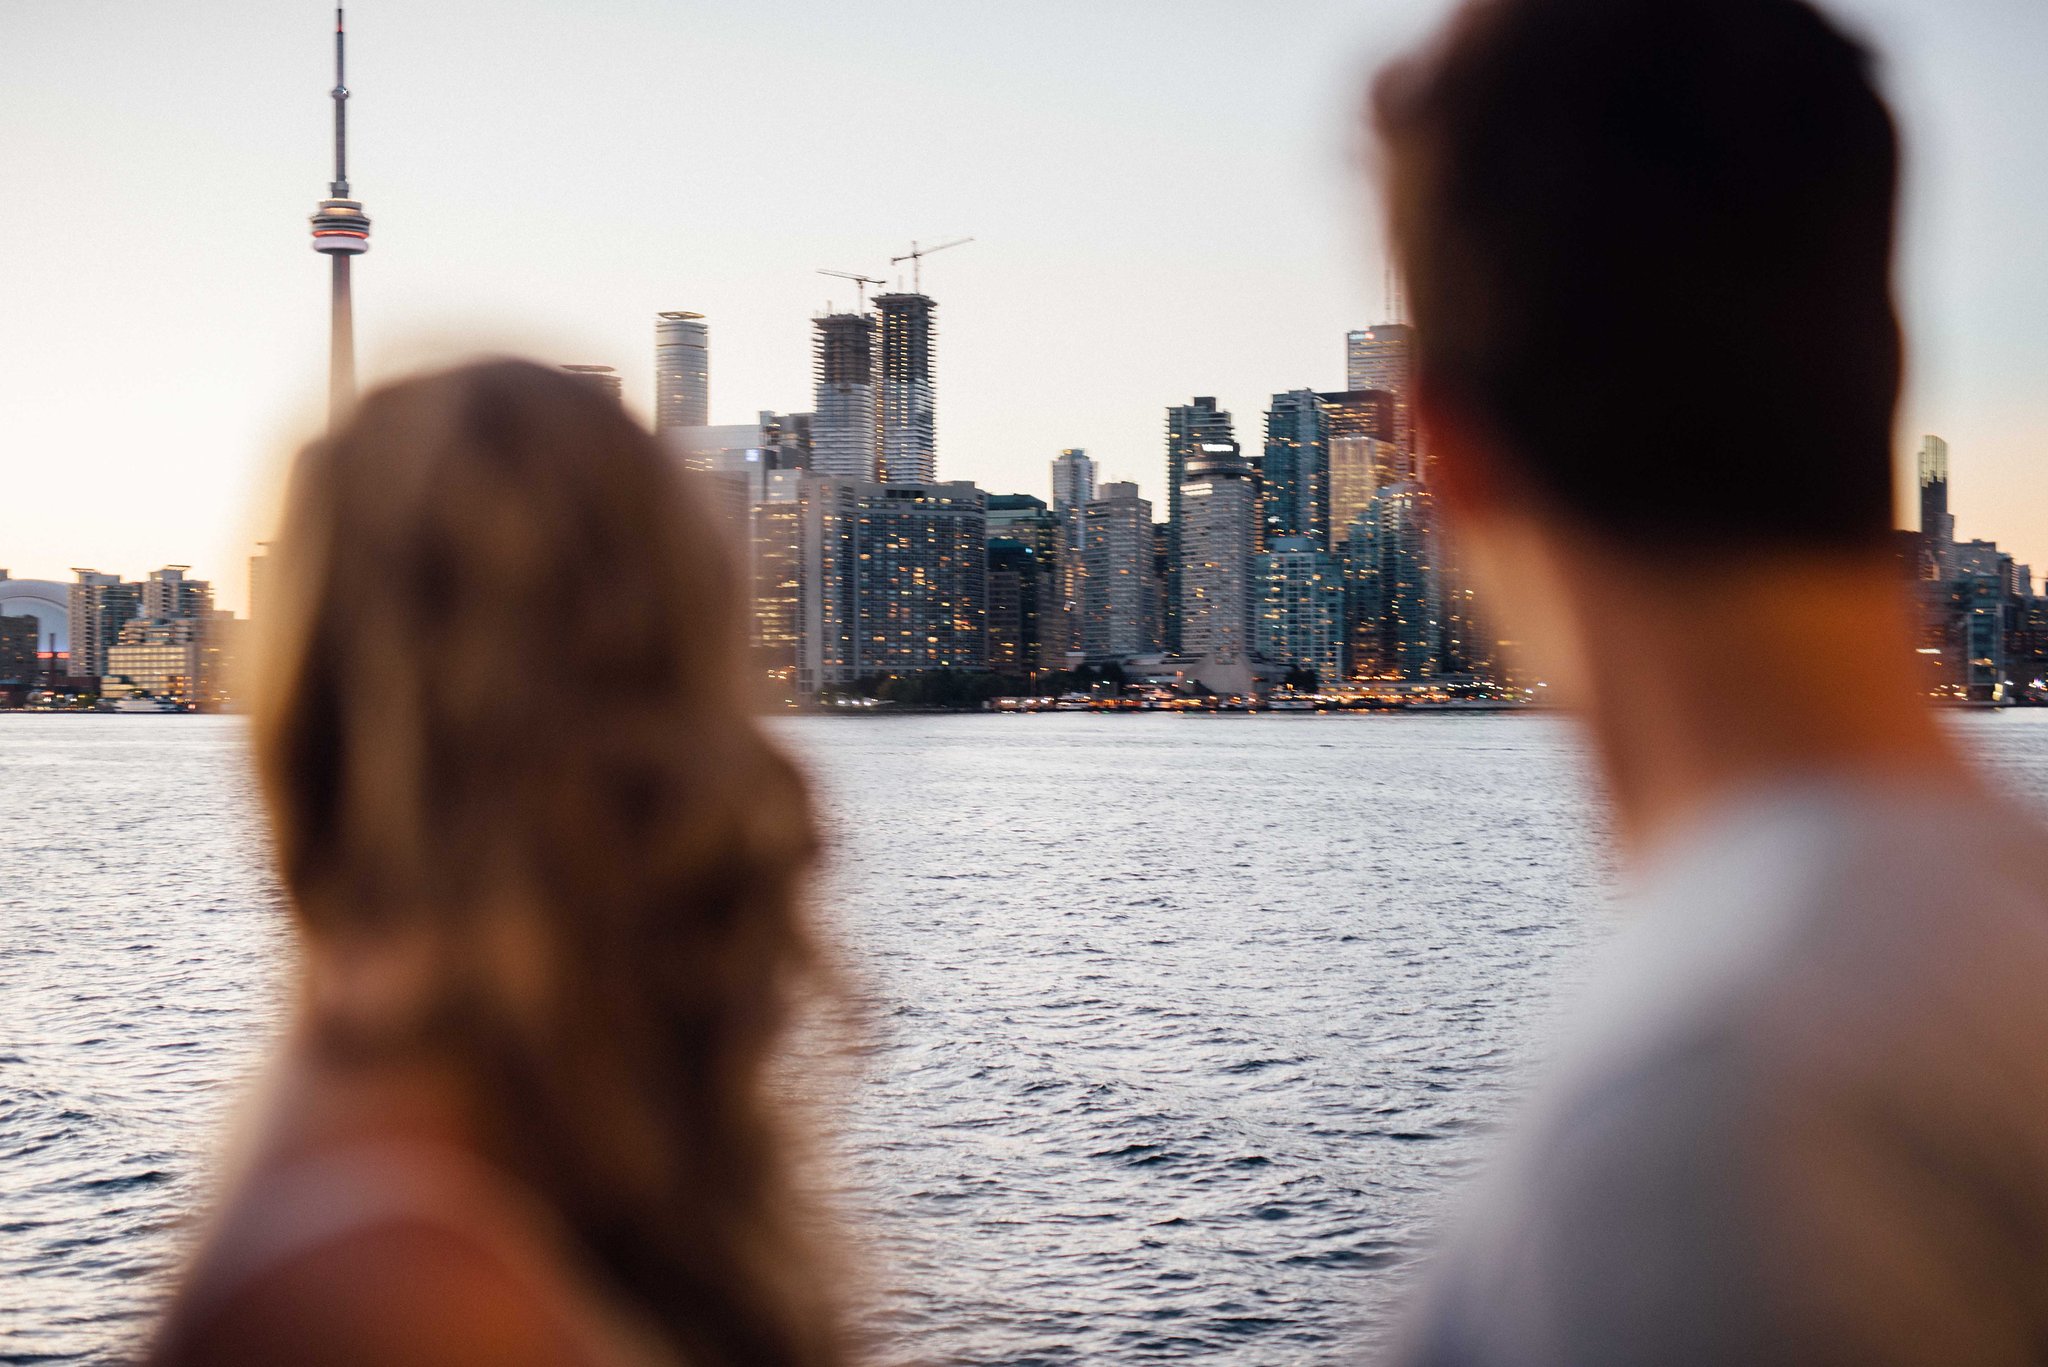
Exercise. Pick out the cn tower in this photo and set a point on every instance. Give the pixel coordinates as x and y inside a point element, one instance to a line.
<point>341,230</point>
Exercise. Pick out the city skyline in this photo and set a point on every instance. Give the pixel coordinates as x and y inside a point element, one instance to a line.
<point>1089,265</point>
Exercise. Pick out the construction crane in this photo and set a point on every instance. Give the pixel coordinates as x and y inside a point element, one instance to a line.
<point>862,281</point>
<point>916,255</point>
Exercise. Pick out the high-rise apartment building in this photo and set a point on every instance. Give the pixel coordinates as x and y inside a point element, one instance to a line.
<point>682,370</point>
<point>1073,486</point>
<point>1294,473</point>
<point>1383,358</point>
<point>1031,524</point>
<point>906,397</point>
<point>1395,617</point>
<point>775,574</point>
<point>1301,608</point>
<point>1073,481</point>
<point>1190,428</point>
<point>895,580</point>
<point>170,594</point>
<point>843,426</point>
<point>1363,456</point>
<point>100,605</point>
<point>1937,524</point>
<point>1219,537</point>
<point>1116,581</point>
<point>1020,590</point>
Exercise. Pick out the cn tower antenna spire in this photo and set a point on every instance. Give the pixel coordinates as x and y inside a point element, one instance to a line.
<point>341,231</point>
<point>340,187</point>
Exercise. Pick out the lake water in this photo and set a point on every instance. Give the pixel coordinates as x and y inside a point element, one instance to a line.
<point>1183,1027</point>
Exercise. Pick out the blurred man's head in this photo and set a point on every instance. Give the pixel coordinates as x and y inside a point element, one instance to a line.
<point>1648,248</point>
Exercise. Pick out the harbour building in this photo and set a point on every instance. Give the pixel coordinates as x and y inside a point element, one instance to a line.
<point>775,573</point>
<point>1363,456</point>
<point>1020,589</point>
<point>1073,487</point>
<point>1382,358</point>
<point>682,370</point>
<point>843,425</point>
<point>1294,473</point>
<point>1218,540</point>
<point>1301,608</point>
<point>99,606</point>
<point>1395,618</point>
<point>1030,523</point>
<point>894,582</point>
<point>1190,428</point>
<point>1116,580</point>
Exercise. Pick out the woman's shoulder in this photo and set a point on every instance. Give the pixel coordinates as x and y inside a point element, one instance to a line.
<point>401,1253</point>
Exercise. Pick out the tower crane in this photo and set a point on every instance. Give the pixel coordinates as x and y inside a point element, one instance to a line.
<point>862,281</point>
<point>916,255</point>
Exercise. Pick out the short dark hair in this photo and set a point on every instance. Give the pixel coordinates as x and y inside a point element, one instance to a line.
<point>1649,244</point>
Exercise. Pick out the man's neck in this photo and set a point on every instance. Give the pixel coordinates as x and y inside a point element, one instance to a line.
<point>1705,686</point>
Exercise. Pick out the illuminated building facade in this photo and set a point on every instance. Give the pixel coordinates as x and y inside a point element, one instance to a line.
<point>1382,358</point>
<point>1363,456</point>
<point>1190,428</point>
<point>1116,580</point>
<point>895,580</point>
<point>1394,614</point>
<point>1219,537</point>
<point>100,605</point>
<point>1301,608</point>
<point>1294,473</point>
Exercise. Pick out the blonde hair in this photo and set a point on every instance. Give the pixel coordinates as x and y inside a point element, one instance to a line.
<point>503,731</point>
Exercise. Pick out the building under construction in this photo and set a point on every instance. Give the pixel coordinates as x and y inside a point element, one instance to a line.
<point>906,399</point>
<point>843,430</point>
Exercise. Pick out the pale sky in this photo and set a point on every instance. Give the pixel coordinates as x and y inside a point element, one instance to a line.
<point>1161,194</point>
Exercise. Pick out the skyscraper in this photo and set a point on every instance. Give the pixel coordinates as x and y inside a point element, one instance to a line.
<point>100,605</point>
<point>1219,536</point>
<point>1019,589</point>
<point>1029,523</point>
<point>1117,572</point>
<point>1383,358</point>
<point>1073,486</point>
<point>843,424</point>
<point>1294,473</point>
<point>169,595</point>
<point>1073,481</point>
<point>1190,427</point>
<point>1937,524</point>
<point>1363,456</point>
<point>341,231</point>
<point>895,580</point>
<point>1301,608</point>
<point>905,397</point>
<point>682,370</point>
<point>1395,616</point>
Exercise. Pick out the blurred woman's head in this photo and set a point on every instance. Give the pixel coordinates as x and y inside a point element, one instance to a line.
<point>532,832</point>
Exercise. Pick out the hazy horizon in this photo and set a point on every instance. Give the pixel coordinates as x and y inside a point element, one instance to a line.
<point>1164,201</point>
